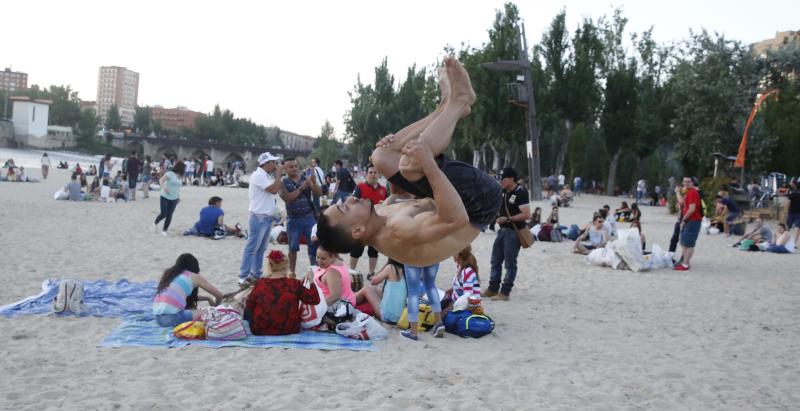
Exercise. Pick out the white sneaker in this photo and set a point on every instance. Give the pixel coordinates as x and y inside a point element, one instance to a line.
<point>155,228</point>
<point>165,234</point>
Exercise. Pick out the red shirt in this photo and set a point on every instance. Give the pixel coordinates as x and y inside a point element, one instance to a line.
<point>692,197</point>
<point>375,194</point>
<point>273,307</point>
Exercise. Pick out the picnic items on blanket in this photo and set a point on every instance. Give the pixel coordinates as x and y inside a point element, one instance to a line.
<point>311,315</point>
<point>340,312</point>
<point>363,328</point>
<point>466,324</point>
<point>604,257</point>
<point>426,318</point>
<point>190,330</point>
<point>69,298</point>
<point>223,324</point>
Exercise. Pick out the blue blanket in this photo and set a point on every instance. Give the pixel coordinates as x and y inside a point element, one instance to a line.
<point>146,333</point>
<point>102,299</point>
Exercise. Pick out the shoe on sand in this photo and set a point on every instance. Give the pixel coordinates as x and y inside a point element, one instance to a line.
<point>500,297</point>
<point>681,267</point>
<point>165,234</point>
<point>407,334</point>
<point>488,293</point>
<point>438,330</point>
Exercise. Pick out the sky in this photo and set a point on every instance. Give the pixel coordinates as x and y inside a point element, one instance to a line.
<point>291,64</point>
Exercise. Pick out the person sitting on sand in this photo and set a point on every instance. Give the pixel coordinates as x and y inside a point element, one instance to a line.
<point>596,234</point>
<point>636,213</point>
<point>454,200</point>
<point>105,190</point>
<point>211,221</point>
<point>333,277</point>
<point>466,283</point>
<point>177,294</point>
<point>782,242</point>
<point>536,217</point>
<point>272,307</point>
<point>393,291</point>
<point>623,213</point>
<point>759,234</point>
<point>74,189</point>
<point>565,196</point>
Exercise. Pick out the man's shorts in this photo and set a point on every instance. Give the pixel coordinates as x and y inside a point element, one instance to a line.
<point>132,182</point>
<point>479,192</point>
<point>793,220</point>
<point>689,234</point>
<point>731,216</point>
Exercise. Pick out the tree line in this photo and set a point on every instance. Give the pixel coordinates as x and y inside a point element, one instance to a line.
<point>612,106</point>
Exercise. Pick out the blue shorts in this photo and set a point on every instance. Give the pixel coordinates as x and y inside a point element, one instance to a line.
<point>792,221</point>
<point>295,227</point>
<point>171,320</point>
<point>689,234</point>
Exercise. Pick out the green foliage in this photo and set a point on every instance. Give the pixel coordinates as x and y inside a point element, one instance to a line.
<point>87,126</point>
<point>326,148</point>
<point>113,121</point>
<point>711,187</point>
<point>143,120</point>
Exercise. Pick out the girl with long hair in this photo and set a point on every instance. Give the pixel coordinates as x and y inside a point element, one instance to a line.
<point>177,293</point>
<point>466,282</point>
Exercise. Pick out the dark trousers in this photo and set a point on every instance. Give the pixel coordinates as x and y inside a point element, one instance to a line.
<point>676,235</point>
<point>504,253</point>
<point>167,208</point>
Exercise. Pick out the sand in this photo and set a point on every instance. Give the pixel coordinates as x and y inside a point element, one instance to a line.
<point>722,336</point>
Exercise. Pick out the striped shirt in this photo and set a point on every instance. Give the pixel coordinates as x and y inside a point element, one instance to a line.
<point>466,282</point>
<point>172,299</point>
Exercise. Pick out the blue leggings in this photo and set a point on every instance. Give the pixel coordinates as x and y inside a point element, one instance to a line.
<point>414,285</point>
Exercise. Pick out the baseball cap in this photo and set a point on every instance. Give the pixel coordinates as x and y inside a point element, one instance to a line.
<point>508,172</point>
<point>264,157</point>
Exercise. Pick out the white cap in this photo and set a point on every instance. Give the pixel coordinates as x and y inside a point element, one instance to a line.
<point>264,157</point>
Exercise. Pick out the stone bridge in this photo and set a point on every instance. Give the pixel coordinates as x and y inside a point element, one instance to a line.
<point>220,153</point>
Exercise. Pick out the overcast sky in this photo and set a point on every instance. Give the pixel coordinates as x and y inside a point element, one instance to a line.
<point>291,63</point>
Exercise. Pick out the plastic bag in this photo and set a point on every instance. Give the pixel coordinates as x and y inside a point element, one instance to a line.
<point>628,247</point>
<point>603,257</point>
<point>311,315</point>
<point>363,328</point>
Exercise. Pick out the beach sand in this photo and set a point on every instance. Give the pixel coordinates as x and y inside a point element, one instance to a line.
<point>724,335</point>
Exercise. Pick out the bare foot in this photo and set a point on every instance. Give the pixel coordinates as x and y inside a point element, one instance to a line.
<point>461,86</point>
<point>444,83</point>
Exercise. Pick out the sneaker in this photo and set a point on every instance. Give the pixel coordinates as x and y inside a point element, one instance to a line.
<point>165,234</point>
<point>438,330</point>
<point>488,293</point>
<point>500,297</point>
<point>247,281</point>
<point>681,267</point>
<point>407,334</point>
<point>155,228</point>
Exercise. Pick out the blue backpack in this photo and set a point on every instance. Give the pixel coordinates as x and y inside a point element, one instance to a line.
<point>465,324</point>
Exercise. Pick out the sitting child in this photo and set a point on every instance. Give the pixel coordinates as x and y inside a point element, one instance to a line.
<point>393,292</point>
<point>466,283</point>
<point>176,299</point>
<point>105,191</point>
<point>273,307</point>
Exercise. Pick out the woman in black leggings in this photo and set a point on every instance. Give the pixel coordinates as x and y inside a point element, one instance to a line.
<point>171,183</point>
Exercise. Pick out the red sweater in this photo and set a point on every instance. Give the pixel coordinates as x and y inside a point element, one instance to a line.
<point>273,307</point>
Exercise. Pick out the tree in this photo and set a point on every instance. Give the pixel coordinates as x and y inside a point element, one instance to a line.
<point>87,126</point>
<point>326,148</point>
<point>143,120</point>
<point>113,121</point>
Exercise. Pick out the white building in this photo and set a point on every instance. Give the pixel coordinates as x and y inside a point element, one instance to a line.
<point>117,86</point>
<point>30,117</point>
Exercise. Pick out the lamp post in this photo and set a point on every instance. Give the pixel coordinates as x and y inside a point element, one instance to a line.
<point>523,65</point>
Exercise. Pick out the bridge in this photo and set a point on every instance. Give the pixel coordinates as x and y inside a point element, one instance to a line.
<point>220,153</point>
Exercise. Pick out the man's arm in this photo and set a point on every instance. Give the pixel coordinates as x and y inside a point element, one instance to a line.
<point>288,196</point>
<point>276,185</point>
<point>450,212</point>
<point>315,188</point>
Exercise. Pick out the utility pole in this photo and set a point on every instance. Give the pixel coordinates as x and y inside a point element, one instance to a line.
<point>522,64</point>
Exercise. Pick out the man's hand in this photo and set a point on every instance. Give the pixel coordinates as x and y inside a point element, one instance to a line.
<point>305,185</point>
<point>501,220</point>
<point>419,153</point>
<point>313,174</point>
<point>278,169</point>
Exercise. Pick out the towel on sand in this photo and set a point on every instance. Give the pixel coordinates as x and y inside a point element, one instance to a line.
<point>140,332</point>
<point>102,299</point>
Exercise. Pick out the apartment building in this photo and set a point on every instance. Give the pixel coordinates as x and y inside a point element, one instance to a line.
<point>117,86</point>
<point>13,80</point>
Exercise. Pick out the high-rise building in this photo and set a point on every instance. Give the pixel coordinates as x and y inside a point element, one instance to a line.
<point>117,86</point>
<point>13,80</point>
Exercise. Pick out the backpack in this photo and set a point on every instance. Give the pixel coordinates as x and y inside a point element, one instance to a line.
<point>69,298</point>
<point>426,318</point>
<point>466,324</point>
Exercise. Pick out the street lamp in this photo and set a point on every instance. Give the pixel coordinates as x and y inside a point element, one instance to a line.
<point>525,99</point>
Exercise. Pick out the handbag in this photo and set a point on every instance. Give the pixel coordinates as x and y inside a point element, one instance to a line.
<point>525,236</point>
<point>223,324</point>
<point>311,315</point>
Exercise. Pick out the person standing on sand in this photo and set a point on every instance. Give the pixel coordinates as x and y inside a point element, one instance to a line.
<point>45,166</point>
<point>263,187</point>
<point>170,195</point>
<point>691,218</point>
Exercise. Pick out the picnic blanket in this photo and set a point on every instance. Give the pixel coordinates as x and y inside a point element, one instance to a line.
<point>141,332</point>
<point>102,299</point>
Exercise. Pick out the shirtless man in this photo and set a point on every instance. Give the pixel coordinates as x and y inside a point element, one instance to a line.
<point>454,200</point>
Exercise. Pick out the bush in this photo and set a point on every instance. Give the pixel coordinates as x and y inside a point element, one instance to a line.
<point>672,203</point>
<point>710,187</point>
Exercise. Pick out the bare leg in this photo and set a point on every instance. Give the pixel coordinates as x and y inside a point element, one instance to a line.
<point>439,133</point>
<point>369,294</point>
<point>292,261</point>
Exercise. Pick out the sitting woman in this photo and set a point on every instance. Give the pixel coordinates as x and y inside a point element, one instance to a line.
<point>596,234</point>
<point>783,242</point>
<point>623,213</point>
<point>333,277</point>
<point>551,229</point>
<point>536,218</point>
<point>273,307</point>
<point>466,283</point>
<point>393,292</point>
<point>636,214</point>
<point>176,297</point>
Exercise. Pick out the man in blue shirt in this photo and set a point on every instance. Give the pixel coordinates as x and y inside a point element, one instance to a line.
<point>732,210</point>
<point>211,222</point>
